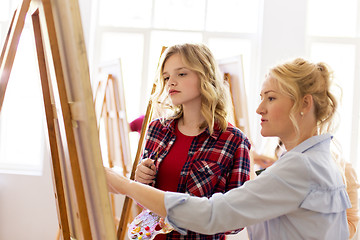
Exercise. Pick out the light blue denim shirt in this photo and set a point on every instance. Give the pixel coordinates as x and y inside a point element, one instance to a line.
<point>301,196</point>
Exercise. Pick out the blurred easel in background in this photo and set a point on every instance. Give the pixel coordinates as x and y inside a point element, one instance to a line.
<point>113,126</point>
<point>234,75</point>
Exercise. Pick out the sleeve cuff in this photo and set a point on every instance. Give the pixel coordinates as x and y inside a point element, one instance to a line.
<point>172,200</point>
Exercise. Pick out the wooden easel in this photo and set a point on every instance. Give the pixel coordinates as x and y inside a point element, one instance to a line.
<point>110,109</point>
<point>80,186</point>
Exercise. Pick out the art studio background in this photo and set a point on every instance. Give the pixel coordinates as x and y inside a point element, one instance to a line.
<point>262,32</point>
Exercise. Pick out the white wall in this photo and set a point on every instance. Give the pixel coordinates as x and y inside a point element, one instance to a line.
<point>27,206</point>
<point>283,36</point>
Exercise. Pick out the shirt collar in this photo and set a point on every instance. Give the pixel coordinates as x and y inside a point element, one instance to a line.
<point>310,142</point>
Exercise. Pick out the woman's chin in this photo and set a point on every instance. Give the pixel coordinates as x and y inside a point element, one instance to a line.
<point>266,134</point>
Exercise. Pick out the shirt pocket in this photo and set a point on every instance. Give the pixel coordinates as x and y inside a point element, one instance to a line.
<point>204,178</point>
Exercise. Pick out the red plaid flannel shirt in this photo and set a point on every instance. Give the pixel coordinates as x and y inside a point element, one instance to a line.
<point>215,163</point>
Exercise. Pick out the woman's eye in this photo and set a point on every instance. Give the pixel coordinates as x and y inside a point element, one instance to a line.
<point>182,74</point>
<point>166,79</point>
<point>271,98</point>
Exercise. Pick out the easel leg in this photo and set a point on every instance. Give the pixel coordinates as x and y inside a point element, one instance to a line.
<point>9,50</point>
<point>128,201</point>
<point>67,120</point>
<point>106,119</point>
<point>50,118</point>
<point>7,38</point>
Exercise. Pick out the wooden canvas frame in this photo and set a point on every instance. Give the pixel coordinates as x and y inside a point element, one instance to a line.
<point>80,186</point>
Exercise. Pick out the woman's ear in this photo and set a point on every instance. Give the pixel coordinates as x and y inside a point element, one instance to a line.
<point>308,103</point>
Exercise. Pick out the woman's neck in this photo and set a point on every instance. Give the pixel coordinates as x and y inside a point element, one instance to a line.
<point>293,141</point>
<point>190,122</point>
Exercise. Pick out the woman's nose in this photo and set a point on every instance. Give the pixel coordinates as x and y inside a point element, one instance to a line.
<point>171,82</point>
<point>260,110</point>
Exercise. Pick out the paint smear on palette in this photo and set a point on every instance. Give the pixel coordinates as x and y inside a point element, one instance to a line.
<point>145,226</point>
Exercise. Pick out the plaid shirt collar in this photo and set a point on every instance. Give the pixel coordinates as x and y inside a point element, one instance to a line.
<point>170,125</point>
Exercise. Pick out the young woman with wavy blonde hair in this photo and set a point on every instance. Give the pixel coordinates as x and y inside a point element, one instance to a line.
<point>192,148</point>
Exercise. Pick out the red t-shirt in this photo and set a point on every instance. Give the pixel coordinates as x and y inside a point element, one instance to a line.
<point>168,174</point>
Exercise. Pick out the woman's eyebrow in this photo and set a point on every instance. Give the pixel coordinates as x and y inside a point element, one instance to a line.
<point>266,92</point>
<point>177,69</point>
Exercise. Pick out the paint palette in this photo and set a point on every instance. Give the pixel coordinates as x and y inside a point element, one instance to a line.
<point>145,226</point>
